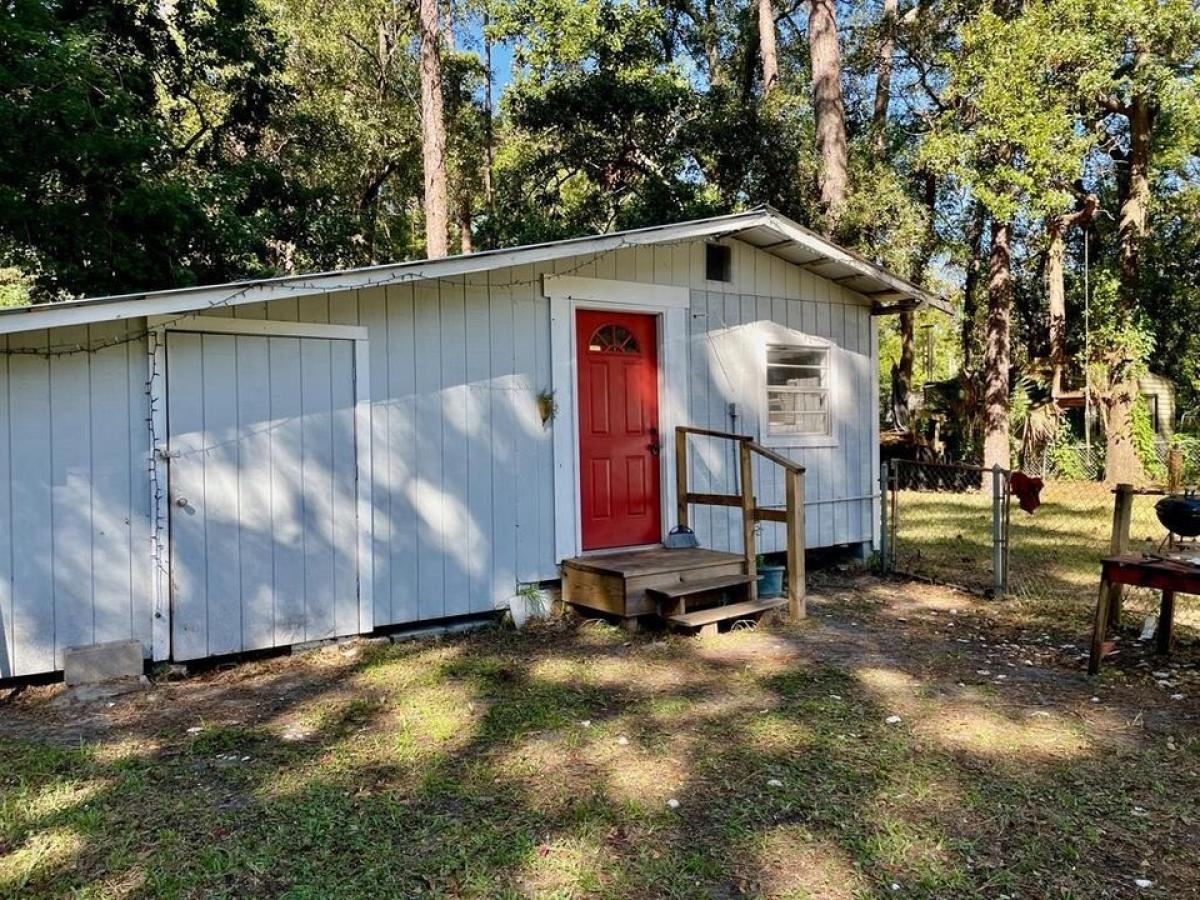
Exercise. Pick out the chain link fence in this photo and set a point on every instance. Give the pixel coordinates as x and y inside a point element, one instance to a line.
<point>963,526</point>
<point>1083,462</point>
<point>942,524</point>
<point>1067,462</point>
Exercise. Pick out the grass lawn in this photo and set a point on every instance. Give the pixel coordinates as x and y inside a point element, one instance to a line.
<point>1054,553</point>
<point>545,763</point>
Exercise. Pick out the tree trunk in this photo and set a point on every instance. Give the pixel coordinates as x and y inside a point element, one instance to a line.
<point>433,135</point>
<point>1057,228</point>
<point>712,46</point>
<point>903,377</point>
<point>1121,463</point>
<point>971,286</point>
<point>996,350</point>
<point>883,77</point>
<point>829,109</point>
<point>1056,296</point>
<point>465,226</point>
<point>489,136</point>
<point>1134,208</point>
<point>766,46</point>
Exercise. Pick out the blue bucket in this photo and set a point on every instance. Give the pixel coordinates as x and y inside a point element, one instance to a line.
<point>770,581</point>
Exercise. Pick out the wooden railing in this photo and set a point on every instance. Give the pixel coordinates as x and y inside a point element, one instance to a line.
<point>792,514</point>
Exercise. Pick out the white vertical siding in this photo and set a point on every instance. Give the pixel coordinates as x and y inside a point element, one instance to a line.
<point>7,611</point>
<point>461,461</point>
<point>503,396</point>
<point>730,323</point>
<point>477,426</point>
<point>74,496</point>
<point>264,536</point>
<point>461,467</point>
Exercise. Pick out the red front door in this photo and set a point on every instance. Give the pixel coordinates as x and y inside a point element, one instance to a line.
<point>618,429</point>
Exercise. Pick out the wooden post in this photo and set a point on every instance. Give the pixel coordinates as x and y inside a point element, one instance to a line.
<point>1174,470</point>
<point>1102,611</point>
<point>748,520</point>
<point>1166,622</point>
<point>797,607</point>
<point>681,478</point>
<point>884,538</point>
<point>1118,545</point>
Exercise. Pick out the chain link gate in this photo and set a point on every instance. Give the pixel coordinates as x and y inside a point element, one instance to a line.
<point>947,523</point>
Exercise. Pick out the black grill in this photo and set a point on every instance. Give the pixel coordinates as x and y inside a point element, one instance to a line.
<point>1180,514</point>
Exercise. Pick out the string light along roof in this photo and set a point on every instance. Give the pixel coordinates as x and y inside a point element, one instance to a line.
<point>762,227</point>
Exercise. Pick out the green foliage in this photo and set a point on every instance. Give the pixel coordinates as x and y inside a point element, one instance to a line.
<point>15,287</point>
<point>1009,130</point>
<point>1064,454</point>
<point>354,79</point>
<point>596,128</point>
<point>1171,298</point>
<point>1020,408</point>
<point>129,143</point>
<point>756,151</point>
<point>1145,441</point>
<point>1122,343</point>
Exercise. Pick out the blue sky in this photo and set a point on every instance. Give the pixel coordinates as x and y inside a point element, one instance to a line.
<point>469,36</point>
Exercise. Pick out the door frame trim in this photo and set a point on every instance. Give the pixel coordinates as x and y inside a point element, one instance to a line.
<point>159,455</point>
<point>669,305</point>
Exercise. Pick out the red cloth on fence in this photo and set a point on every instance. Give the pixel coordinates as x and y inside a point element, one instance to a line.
<point>1027,490</point>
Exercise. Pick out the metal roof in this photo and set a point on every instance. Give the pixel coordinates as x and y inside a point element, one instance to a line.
<point>762,227</point>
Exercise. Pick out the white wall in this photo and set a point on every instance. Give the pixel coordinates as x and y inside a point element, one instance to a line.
<point>74,496</point>
<point>770,302</point>
<point>462,465</point>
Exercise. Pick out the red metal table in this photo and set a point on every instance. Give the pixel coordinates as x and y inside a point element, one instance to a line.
<point>1164,575</point>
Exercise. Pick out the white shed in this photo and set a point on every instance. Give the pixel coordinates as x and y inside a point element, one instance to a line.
<point>219,469</point>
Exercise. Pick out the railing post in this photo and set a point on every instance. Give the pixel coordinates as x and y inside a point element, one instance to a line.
<point>884,500</point>
<point>681,478</point>
<point>748,519</point>
<point>1119,544</point>
<point>797,607</point>
<point>998,535</point>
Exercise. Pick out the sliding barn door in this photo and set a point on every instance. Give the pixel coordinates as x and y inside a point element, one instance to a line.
<point>262,474</point>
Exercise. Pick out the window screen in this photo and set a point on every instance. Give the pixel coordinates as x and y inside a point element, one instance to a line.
<point>798,390</point>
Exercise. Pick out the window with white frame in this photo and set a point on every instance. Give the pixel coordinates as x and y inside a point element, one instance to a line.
<point>797,390</point>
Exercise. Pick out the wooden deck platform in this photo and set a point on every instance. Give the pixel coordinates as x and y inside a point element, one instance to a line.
<point>671,584</point>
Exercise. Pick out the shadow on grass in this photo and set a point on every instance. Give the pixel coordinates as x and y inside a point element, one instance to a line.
<point>543,764</point>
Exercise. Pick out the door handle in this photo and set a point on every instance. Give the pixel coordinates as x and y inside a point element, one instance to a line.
<point>655,445</point>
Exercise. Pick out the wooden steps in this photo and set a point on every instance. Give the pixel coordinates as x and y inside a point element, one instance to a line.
<point>714,614</point>
<point>689,589</point>
<point>620,583</point>
<point>675,599</point>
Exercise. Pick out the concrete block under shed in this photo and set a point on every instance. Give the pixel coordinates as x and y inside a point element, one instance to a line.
<point>97,663</point>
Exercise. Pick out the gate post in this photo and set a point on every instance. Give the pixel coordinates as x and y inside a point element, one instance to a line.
<point>999,537</point>
<point>885,549</point>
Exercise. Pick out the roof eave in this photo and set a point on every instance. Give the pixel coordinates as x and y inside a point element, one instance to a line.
<point>908,295</point>
<point>192,299</point>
